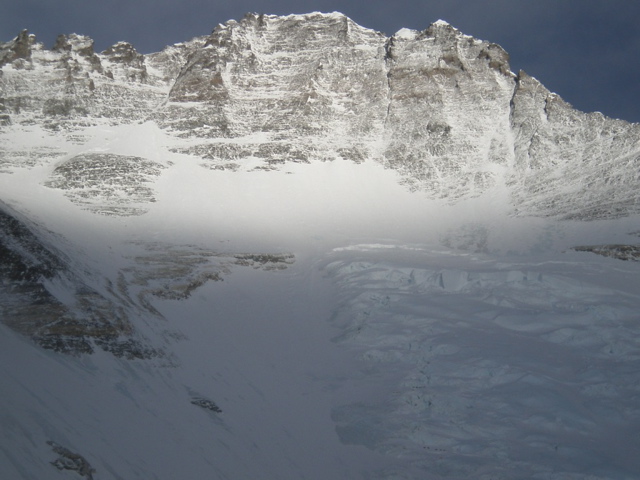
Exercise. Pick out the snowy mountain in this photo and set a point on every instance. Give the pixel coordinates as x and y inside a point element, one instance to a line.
<point>298,248</point>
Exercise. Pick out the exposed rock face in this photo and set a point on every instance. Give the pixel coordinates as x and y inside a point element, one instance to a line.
<point>322,87</point>
<point>569,163</point>
<point>621,252</point>
<point>106,183</point>
<point>31,273</point>
<point>287,77</point>
<point>79,44</point>
<point>206,404</point>
<point>43,298</point>
<point>69,460</point>
<point>438,106</point>
<point>71,87</point>
<point>18,48</point>
<point>175,272</point>
<point>433,76</point>
<point>442,108</point>
<point>131,63</point>
<point>165,66</point>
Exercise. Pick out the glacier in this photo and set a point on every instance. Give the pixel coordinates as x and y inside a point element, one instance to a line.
<point>299,248</point>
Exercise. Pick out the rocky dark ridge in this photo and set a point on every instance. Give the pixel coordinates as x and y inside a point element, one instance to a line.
<point>18,49</point>
<point>33,275</point>
<point>30,273</point>
<point>621,252</point>
<point>68,460</point>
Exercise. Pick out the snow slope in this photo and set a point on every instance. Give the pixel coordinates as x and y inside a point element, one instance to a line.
<point>312,319</point>
<point>407,338</point>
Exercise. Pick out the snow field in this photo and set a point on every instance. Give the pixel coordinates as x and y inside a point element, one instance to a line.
<point>466,343</point>
<point>492,368</point>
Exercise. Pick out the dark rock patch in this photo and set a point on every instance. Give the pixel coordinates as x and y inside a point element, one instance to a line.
<point>621,252</point>
<point>206,404</point>
<point>69,460</point>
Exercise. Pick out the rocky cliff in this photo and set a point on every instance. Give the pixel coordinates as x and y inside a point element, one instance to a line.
<point>441,108</point>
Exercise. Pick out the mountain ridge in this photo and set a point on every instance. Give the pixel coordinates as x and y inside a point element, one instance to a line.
<point>348,91</point>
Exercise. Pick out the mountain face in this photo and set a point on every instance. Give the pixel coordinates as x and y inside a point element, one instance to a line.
<point>299,248</point>
<point>441,108</point>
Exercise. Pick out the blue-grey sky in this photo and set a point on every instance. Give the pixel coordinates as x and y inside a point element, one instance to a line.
<point>588,51</point>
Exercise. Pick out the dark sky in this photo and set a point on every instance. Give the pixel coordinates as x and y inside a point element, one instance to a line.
<point>588,51</point>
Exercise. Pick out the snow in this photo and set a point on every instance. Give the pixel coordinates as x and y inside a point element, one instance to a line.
<point>493,360</point>
<point>406,34</point>
<point>518,360</point>
<point>412,337</point>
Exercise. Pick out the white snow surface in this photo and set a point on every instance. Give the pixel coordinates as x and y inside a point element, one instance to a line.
<point>411,338</point>
<point>406,33</point>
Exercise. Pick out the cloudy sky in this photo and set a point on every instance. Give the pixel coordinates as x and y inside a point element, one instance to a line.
<point>588,51</point>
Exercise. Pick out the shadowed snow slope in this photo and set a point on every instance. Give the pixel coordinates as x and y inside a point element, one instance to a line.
<point>296,248</point>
